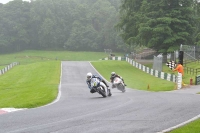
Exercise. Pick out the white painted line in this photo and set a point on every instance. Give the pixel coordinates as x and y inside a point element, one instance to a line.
<point>180,125</point>
<point>8,110</point>
<point>11,109</point>
<point>99,73</point>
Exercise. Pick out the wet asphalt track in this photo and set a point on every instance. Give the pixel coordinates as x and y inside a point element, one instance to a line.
<point>78,111</point>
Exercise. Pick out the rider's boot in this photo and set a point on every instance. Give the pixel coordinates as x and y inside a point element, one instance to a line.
<point>123,82</point>
<point>109,92</point>
<point>113,86</point>
<point>92,91</point>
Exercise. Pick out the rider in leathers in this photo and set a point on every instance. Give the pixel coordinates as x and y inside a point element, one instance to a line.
<point>113,75</point>
<point>90,76</point>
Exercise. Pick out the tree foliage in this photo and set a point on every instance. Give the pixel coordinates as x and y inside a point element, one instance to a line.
<point>160,24</point>
<point>57,24</point>
<point>98,24</point>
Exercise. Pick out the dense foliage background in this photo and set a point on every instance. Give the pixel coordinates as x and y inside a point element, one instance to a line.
<point>86,25</point>
<point>95,25</point>
<point>160,24</point>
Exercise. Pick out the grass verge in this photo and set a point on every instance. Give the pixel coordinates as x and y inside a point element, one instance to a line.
<point>32,85</point>
<point>35,81</point>
<point>27,57</point>
<point>133,77</point>
<point>192,127</point>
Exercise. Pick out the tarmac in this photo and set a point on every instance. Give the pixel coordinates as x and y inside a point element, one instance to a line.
<point>191,89</point>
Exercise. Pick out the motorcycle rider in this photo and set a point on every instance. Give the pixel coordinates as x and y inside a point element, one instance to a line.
<point>90,76</point>
<point>113,75</point>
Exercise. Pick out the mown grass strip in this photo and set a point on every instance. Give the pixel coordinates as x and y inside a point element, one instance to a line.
<point>192,127</point>
<point>31,85</point>
<point>35,81</point>
<point>133,77</point>
<point>28,56</point>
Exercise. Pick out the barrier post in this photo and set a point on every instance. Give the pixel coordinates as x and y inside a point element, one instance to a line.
<point>191,80</point>
<point>179,81</point>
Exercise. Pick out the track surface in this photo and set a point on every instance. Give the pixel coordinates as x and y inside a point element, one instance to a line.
<point>79,111</point>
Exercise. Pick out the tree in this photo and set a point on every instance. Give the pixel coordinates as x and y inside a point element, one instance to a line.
<point>81,38</point>
<point>196,7</point>
<point>158,24</point>
<point>130,18</point>
<point>53,24</point>
<point>14,23</point>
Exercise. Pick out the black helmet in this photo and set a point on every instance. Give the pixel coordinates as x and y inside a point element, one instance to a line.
<point>113,74</point>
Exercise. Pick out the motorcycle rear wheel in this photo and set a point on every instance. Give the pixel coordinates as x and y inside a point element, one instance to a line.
<point>122,88</point>
<point>102,92</point>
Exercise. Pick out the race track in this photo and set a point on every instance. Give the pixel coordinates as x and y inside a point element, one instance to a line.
<point>79,111</point>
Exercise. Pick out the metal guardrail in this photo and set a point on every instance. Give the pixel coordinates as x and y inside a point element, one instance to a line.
<point>197,81</point>
<point>193,71</point>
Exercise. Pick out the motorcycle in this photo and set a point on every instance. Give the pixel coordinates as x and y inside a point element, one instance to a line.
<point>118,83</point>
<point>99,87</point>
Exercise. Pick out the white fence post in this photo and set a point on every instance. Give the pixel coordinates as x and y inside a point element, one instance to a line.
<point>7,68</point>
<point>179,81</point>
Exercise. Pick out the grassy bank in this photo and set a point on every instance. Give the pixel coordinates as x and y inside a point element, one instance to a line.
<point>133,77</point>
<point>32,85</point>
<point>22,81</point>
<point>27,57</point>
<point>192,127</point>
<point>35,81</point>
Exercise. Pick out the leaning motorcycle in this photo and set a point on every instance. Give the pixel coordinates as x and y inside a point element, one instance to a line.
<point>99,87</point>
<point>118,83</point>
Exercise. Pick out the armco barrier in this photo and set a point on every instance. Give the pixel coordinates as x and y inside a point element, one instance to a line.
<point>197,82</point>
<point>7,68</point>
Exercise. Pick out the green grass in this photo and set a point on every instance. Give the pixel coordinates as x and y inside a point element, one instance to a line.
<point>26,57</point>
<point>2,67</point>
<point>32,85</point>
<point>192,127</point>
<point>133,77</point>
<point>29,80</point>
<point>35,81</point>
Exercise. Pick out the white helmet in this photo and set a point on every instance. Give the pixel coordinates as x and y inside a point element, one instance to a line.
<point>89,76</point>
